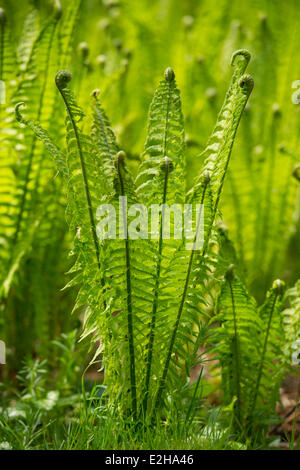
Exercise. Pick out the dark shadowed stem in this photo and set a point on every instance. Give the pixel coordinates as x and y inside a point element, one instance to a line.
<point>155,301</point>
<point>84,175</point>
<point>236,360</point>
<point>129,298</point>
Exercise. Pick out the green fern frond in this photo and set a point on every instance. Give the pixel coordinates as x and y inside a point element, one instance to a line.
<point>236,343</point>
<point>105,143</point>
<point>160,180</point>
<point>218,150</point>
<point>29,34</point>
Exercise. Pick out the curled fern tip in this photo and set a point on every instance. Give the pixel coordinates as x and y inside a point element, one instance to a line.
<point>57,9</point>
<point>169,74</point>
<point>276,110</point>
<point>166,164</point>
<point>241,56</point>
<point>263,18</point>
<point>246,83</point>
<point>278,286</point>
<point>19,105</point>
<point>95,93</point>
<point>206,177</point>
<point>83,49</point>
<point>63,77</point>
<point>120,158</point>
<point>230,273</point>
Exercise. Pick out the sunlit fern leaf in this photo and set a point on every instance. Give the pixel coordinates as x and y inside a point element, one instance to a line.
<point>7,59</point>
<point>81,170</point>
<point>7,176</point>
<point>67,32</point>
<point>29,34</point>
<point>105,143</point>
<point>83,179</point>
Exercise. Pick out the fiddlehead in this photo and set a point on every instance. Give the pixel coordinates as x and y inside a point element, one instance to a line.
<point>62,79</point>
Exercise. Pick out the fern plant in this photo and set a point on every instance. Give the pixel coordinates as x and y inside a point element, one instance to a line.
<point>144,299</point>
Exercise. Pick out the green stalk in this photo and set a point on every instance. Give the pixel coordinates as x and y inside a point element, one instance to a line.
<point>61,80</point>
<point>182,302</point>
<point>155,301</point>
<point>119,162</point>
<point>236,361</point>
<point>167,165</point>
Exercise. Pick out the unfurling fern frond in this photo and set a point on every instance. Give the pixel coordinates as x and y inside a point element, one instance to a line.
<point>218,150</point>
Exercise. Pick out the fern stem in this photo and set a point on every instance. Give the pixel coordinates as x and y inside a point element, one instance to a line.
<point>169,77</point>
<point>120,161</point>
<point>61,79</point>
<point>156,288</point>
<point>182,302</point>
<point>229,278</point>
